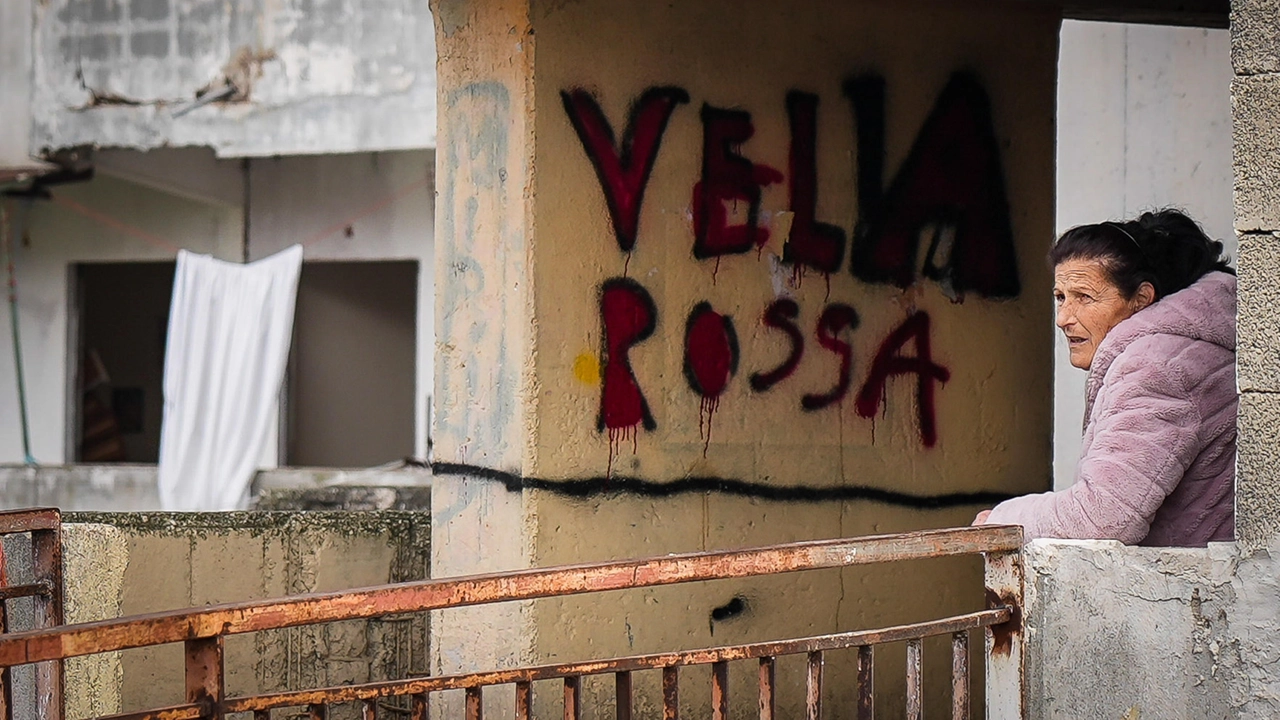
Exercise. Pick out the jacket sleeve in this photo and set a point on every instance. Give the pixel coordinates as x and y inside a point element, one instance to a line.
<point>1146,436</point>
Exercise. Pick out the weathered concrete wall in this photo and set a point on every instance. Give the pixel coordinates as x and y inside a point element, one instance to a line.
<point>132,488</point>
<point>310,77</point>
<point>1144,121</point>
<point>15,88</point>
<point>579,364</point>
<point>1128,632</point>
<point>123,564</point>
<point>1255,103</point>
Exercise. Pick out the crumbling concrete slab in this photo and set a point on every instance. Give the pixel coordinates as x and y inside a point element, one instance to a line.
<point>293,76</point>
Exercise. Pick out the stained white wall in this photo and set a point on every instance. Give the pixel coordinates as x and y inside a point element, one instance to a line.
<point>49,238</point>
<point>193,201</point>
<point>1144,121</point>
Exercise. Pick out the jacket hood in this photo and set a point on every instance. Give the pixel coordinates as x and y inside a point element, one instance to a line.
<point>1205,311</point>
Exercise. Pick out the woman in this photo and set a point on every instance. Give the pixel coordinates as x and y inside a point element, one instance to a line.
<point>1148,307</point>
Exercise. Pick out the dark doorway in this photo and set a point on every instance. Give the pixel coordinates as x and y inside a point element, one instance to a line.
<point>352,367</point>
<point>124,315</point>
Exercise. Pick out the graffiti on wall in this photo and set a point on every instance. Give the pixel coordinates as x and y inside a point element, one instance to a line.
<point>948,199</point>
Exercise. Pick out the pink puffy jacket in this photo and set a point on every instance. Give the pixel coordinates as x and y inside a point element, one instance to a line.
<point>1158,463</point>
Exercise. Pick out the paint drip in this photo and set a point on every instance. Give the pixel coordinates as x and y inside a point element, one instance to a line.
<point>706,411</point>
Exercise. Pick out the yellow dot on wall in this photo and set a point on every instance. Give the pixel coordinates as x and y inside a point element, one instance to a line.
<point>586,367</point>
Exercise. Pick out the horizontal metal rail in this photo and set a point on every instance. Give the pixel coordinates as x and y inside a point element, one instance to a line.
<point>234,618</point>
<point>203,631</point>
<point>957,626</point>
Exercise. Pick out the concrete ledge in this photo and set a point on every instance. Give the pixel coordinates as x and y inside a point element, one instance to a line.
<point>132,488</point>
<point>1255,102</point>
<point>1116,631</point>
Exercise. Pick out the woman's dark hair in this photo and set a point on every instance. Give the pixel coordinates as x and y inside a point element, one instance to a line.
<point>1165,248</point>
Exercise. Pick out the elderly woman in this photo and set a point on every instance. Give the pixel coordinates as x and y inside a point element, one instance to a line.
<point>1148,307</point>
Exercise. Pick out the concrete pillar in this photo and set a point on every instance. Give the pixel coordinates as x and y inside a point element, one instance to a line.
<point>1255,96</point>
<point>659,331</point>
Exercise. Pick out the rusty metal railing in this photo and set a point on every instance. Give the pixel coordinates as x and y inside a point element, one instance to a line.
<point>44,525</point>
<point>203,631</point>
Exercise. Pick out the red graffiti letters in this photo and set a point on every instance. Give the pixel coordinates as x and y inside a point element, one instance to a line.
<point>781,315</point>
<point>951,186</point>
<point>623,170</point>
<point>628,316</point>
<point>948,198</point>
<point>889,363</point>
<point>727,177</point>
<point>835,319</point>
<point>813,244</point>
<point>710,351</point>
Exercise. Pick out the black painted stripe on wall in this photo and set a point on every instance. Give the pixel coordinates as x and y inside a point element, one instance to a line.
<point>608,486</point>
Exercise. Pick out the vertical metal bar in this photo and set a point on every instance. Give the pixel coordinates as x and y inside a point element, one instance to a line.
<point>572,699</point>
<point>670,693</point>
<point>960,675</point>
<point>767,702</point>
<point>915,688</point>
<point>6,677</point>
<point>1004,643</point>
<point>369,710</point>
<point>420,707</point>
<point>317,711</point>
<point>720,690</point>
<point>813,686</point>
<point>46,549</point>
<point>475,703</point>
<point>524,701</point>
<point>204,675</point>
<point>866,683</point>
<point>622,685</point>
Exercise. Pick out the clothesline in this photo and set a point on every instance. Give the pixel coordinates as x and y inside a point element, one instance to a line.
<point>161,243</point>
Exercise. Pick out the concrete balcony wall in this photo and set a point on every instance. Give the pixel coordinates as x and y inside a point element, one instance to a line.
<point>122,564</point>
<point>1171,633</point>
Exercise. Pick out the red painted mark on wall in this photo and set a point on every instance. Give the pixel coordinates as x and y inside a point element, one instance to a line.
<point>836,318</point>
<point>781,315</point>
<point>623,169</point>
<point>889,362</point>
<point>728,177</point>
<point>812,244</point>
<point>710,360</point>
<point>628,317</point>
<point>951,186</point>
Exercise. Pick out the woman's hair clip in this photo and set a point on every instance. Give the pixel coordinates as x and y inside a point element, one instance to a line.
<point>1127,234</point>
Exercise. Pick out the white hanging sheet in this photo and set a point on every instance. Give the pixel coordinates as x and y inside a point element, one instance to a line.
<point>229,332</point>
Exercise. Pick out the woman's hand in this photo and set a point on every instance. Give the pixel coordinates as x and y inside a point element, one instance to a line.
<point>982,518</point>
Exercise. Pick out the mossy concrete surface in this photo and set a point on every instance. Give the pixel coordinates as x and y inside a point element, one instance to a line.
<point>120,564</point>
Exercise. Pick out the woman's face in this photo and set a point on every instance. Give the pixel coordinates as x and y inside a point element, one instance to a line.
<point>1089,306</point>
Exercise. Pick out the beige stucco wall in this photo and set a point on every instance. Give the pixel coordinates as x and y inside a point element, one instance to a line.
<point>129,563</point>
<point>521,328</point>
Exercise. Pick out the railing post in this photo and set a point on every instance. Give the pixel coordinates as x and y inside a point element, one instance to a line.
<point>46,551</point>
<point>1006,682</point>
<point>205,675</point>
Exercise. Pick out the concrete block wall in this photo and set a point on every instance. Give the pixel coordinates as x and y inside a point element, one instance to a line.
<point>122,564</point>
<point>1255,98</point>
